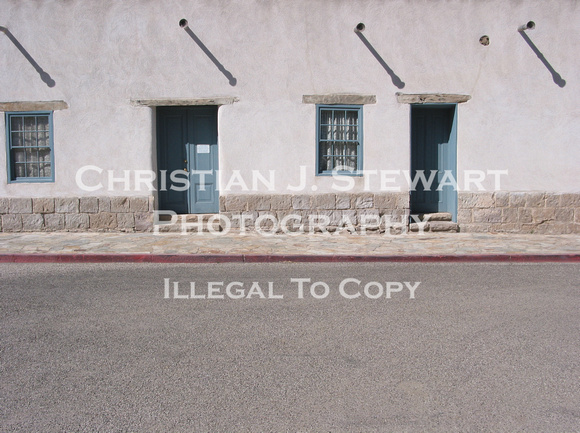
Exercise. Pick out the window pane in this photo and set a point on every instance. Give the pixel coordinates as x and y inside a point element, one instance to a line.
<point>351,149</point>
<point>17,139</point>
<point>43,139</point>
<point>42,123</point>
<point>18,155</point>
<point>352,117</point>
<point>30,123</point>
<point>16,123</point>
<point>29,139</point>
<point>31,170</point>
<point>44,155</point>
<point>19,170</point>
<point>325,117</point>
<point>351,162</point>
<point>325,148</point>
<point>45,170</point>
<point>325,163</point>
<point>352,133</point>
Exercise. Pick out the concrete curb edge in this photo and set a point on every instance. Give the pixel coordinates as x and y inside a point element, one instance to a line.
<point>276,258</point>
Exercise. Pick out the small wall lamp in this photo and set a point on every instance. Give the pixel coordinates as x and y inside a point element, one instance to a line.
<point>530,25</point>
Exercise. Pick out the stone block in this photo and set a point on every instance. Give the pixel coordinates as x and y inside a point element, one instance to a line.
<point>32,222</point>
<point>334,217</point>
<point>266,220</point>
<point>302,202</point>
<point>89,204</point>
<point>281,202</point>
<point>385,201</point>
<point>126,220</point>
<point>343,201</point>
<point>259,202</point>
<point>76,221</point>
<point>103,221</point>
<point>349,217</point>
<point>368,217</point>
<point>577,215</point>
<point>509,215</point>
<point>143,221</point>
<point>12,222</point>
<point>524,215</point>
<point>552,200</point>
<point>565,215</point>
<point>403,201</point>
<point>236,203</point>
<point>324,201</point>
<point>540,215</point>
<point>473,200</point>
<point>464,216</point>
<point>222,203</point>
<point>66,205</point>
<point>4,205</point>
<point>54,221</point>
<point>535,199</point>
<point>43,205</point>
<point>555,228</point>
<point>20,205</point>
<point>570,200</point>
<point>505,228</point>
<point>120,204</point>
<point>475,228</point>
<point>487,215</point>
<point>502,198</point>
<point>104,204</point>
<point>139,204</point>
<point>517,199</point>
<point>364,201</point>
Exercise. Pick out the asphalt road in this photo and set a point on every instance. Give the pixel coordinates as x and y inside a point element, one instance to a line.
<point>481,347</point>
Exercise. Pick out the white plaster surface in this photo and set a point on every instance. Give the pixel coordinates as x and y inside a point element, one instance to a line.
<point>103,54</point>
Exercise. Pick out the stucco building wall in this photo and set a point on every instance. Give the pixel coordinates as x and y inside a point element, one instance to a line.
<point>104,56</point>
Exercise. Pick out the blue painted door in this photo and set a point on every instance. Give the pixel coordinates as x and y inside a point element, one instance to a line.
<point>187,159</point>
<point>434,148</point>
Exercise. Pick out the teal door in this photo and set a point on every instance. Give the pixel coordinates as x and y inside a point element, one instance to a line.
<point>187,159</point>
<point>434,148</point>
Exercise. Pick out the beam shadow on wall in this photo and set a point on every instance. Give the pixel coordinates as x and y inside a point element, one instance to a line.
<point>231,79</point>
<point>555,76</point>
<point>44,76</point>
<point>394,77</point>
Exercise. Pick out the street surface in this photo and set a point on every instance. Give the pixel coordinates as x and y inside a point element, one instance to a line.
<point>290,347</point>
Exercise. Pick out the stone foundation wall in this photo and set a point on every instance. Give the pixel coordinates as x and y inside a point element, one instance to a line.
<point>498,212</point>
<point>356,209</point>
<point>76,214</point>
<point>519,212</point>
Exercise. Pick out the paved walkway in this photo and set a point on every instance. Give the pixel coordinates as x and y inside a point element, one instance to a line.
<point>320,246</point>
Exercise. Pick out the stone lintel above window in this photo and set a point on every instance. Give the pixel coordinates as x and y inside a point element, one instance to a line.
<point>33,106</point>
<point>339,99</point>
<point>431,98</point>
<point>170,102</point>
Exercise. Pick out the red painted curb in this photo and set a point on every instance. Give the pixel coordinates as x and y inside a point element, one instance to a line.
<point>276,258</point>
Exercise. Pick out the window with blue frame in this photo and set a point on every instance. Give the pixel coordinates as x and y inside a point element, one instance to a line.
<point>29,142</point>
<point>339,138</point>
